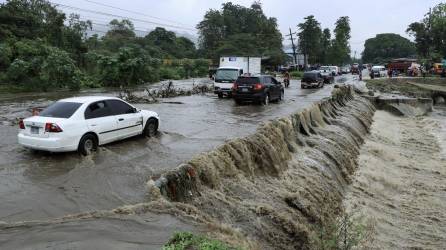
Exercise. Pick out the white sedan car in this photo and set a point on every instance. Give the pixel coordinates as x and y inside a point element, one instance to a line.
<point>84,123</point>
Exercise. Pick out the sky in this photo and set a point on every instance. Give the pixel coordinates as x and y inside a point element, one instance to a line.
<point>368,18</point>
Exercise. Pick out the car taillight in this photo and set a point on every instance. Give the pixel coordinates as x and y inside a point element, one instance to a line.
<point>52,128</point>
<point>258,86</point>
<point>21,124</point>
<point>235,85</point>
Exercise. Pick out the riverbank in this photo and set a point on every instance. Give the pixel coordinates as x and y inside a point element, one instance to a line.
<point>400,183</point>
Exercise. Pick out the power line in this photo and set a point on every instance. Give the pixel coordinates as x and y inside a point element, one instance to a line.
<point>119,16</point>
<point>134,12</point>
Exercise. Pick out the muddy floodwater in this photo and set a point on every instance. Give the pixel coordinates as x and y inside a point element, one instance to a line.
<point>401,182</point>
<point>43,186</point>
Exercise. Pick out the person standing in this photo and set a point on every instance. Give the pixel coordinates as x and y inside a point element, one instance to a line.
<point>286,79</point>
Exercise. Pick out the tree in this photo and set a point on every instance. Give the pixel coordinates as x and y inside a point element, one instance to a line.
<point>238,30</point>
<point>340,49</point>
<point>310,39</point>
<point>121,33</point>
<point>384,47</point>
<point>325,46</point>
<point>430,33</point>
<point>31,19</point>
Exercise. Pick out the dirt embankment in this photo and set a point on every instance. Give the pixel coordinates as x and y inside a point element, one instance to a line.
<point>401,184</point>
<point>414,87</point>
<point>269,187</point>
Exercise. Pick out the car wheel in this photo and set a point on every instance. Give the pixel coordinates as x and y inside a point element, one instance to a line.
<point>88,144</point>
<point>265,100</point>
<point>151,128</point>
<point>220,95</point>
<point>302,86</point>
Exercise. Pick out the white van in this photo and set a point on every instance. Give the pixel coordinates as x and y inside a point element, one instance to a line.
<point>231,67</point>
<point>379,71</point>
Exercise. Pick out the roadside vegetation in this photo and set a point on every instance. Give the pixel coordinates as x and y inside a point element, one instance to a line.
<point>43,49</point>
<point>318,44</point>
<point>186,240</point>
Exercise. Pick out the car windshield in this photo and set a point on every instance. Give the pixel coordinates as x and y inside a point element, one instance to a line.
<point>226,74</point>
<point>310,76</point>
<point>60,109</point>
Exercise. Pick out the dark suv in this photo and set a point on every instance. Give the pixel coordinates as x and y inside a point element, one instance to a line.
<point>312,79</point>
<point>261,89</point>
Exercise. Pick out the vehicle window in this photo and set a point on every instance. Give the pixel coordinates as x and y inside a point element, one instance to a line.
<point>248,80</point>
<point>97,109</point>
<point>119,107</point>
<point>60,109</point>
<point>309,75</point>
<point>267,80</point>
<point>274,80</point>
<point>226,74</point>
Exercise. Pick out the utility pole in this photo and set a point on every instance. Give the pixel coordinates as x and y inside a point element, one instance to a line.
<point>293,46</point>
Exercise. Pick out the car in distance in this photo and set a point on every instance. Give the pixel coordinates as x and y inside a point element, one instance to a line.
<point>312,79</point>
<point>260,89</point>
<point>83,123</point>
<point>379,71</point>
<point>327,74</point>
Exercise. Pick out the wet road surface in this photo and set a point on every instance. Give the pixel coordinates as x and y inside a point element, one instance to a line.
<point>39,186</point>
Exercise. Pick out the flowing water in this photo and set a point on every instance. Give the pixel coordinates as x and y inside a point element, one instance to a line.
<point>401,181</point>
<point>249,175</point>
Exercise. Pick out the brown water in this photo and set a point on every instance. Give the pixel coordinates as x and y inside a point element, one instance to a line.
<point>269,186</point>
<point>401,182</point>
<point>44,187</point>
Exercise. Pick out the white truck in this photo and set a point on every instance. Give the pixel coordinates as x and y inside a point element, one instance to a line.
<point>231,67</point>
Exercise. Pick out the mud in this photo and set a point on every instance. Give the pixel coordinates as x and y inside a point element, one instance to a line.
<point>38,187</point>
<point>400,184</point>
<point>269,185</point>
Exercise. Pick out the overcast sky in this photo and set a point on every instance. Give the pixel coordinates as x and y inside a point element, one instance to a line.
<point>368,18</point>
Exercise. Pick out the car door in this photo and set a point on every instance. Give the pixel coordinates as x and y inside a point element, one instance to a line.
<point>268,83</point>
<point>129,121</point>
<point>277,86</point>
<point>100,119</point>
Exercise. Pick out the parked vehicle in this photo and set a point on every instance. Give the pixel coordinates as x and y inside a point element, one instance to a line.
<point>312,79</point>
<point>379,71</point>
<point>262,89</point>
<point>84,123</point>
<point>230,69</point>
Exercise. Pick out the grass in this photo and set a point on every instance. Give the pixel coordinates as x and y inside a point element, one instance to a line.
<point>187,240</point>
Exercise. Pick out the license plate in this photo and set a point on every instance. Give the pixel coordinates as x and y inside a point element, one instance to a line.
<point>34,130</point>
<point>244,90</point>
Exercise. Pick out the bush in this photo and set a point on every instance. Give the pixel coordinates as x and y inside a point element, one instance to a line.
<point>297,74</point>
<point>186,240</point>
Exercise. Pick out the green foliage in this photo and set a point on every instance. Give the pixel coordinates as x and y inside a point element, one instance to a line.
<point>296,74</point>
<point>340,49</point>
<point>430,33</point>
<point>241,31</point>
<point>39,66</point>
<point>41,49</point>
<point>310,33</point>
<point>186,240</point>
<point>384,47</point>
<point>325,46</point>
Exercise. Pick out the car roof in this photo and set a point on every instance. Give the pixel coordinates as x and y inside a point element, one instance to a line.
<point>88,99</point>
